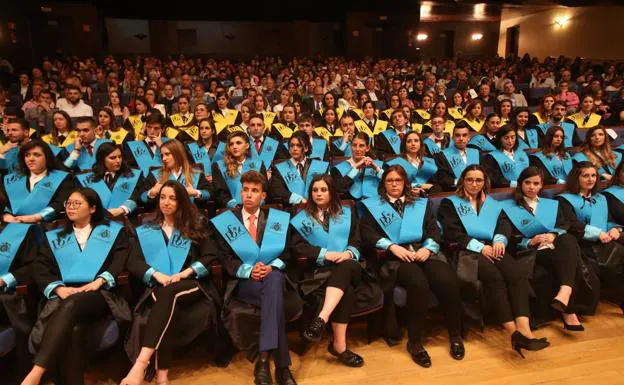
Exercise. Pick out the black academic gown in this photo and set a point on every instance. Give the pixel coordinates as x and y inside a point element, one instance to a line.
<point>616,208</point>
<point>136,193</point>
<point>278,191</point>
<point>221,193</point>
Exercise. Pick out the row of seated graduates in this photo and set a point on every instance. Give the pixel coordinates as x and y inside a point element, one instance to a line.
<point>419,356</point>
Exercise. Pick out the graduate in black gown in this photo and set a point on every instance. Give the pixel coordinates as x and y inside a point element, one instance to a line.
<point>506,162</point>
<point>403,224</point>
<point>615,195</point>
<point>327,233</point>
<point>543,227</point>
<point>172,257</point>
<point>78,296</point>
<point>599,237</point>
<point>554,161</point>
<point>475,222</point>
<point>207,149</point>
<point>456,157</point>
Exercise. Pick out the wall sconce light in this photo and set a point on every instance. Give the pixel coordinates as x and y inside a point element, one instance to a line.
<point>561,21</point>
<point>477,36</point>
<point>422,37</point>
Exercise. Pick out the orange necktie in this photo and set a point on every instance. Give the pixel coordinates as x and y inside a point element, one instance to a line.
<point>252,227</point>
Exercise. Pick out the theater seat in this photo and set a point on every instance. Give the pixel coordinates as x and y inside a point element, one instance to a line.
<point>110,337</point>
<point>7,341</point>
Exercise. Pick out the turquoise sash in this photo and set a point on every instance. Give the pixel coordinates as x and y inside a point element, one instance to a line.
<point>568,131</point>
<point>218,155</point>
<point>267,152</point>
<point>80,266</point>
<point>239,239</point>
<point>511,170</point>
<point>11,239</point>
<point>432,146</point>
<point>195,175</point>
<point>482,143</point>
<point>347,151</point>
<point>233,183</point>
<point>532,140</point>
<point>24,202</point>
<point>605,169</point>
<point>319,146</point>
<point>480,226</point>
<point>455,160</point>
<point>616,191</point>
<point>86,161</point>
<point>401,230</point>
<point>55,149</point>
<point>417,176</point>
<point>293,180</point>
<point>144,158</point>
<point>394,140</point>
<point>167,258</point>
<point>122,190</point>
<point>336,239</point>
<point>200,155</point>
<point>558,168</point>
<point>10,161</point>
<point>595,214</point>
<point>544,220</point>
<point>363,185</point>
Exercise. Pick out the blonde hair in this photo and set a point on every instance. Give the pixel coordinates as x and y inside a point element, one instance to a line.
<point>176,148</point>
<point>231,164</point>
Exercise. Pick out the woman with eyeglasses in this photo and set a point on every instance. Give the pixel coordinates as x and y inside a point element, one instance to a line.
<point>291,178</point>
<point>507,161</point>
<point>327,232</point>
<point>76,270</point>
<point>37,190</point>
<point>543,227</point>
<point>440,109</point>
<point>554,161</point>
<point>405,226</point>
<point>596,148</point>
<point>118,186</point>
<point>226,173</point>
<point>358,176</point>
<point>477,224</point>
<point>486,139</point>
<point>599,237</point>
<point>172,257</point>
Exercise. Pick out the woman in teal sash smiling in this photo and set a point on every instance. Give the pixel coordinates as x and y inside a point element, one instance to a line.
<point>599,237</point>
<point>37,191</point>
<point>475,221</point>
<point>405,225</point>
<point>76,270</point>
<point>596,148</point>
<point>328,234</point>
<point>615,195</point>
<point>172,258</point>
<point>554,161</point>
<point>118,186</point>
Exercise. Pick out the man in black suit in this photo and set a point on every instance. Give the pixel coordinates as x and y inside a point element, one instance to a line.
<point>22,91</point>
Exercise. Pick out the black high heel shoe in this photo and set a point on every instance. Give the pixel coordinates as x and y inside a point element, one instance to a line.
<point>558,305</point>
<point>519,342</point>
<point>572,328</point>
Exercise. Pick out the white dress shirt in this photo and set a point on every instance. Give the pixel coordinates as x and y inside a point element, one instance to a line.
<point>82,235</point>
<point>33,179</point>
<point>167,228</point>
<point>78,110</point>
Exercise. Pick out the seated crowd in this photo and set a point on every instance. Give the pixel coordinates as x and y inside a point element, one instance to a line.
<point>276,197</point>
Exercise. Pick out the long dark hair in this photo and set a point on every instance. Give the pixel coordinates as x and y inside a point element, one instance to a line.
<point>498,140</point>
<point>51,162</point>
<point>473,167</point>
<point>421,150</point>
<point>54,130</point>
<point>572,183</point>
<point>186,218</point>
<point>93,200</point>
<point>335,207</point>
<point>548,138</point>
<point>407,191</point>
<point>111,117</point>
<point>515,112</point>
<point>303,139</point>
<point>529,172</point>
<point>99,169</point>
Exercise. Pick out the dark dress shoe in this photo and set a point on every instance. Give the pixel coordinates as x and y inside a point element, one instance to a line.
<point>391,341</point>
<point>314,331</point>
<point>457,349</point>
<point>347,357</point>
<point>283,376</point>
<point>558,305</point>
<point>262,372</point>
<point>419,356</point>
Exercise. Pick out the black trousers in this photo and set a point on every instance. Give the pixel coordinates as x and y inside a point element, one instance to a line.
<point>418,279</point>
<point>22,363</point>
<point>169,303</point>
<point>565,259</point>
<point>80,308</point>
<point>506,288</point>
<point>345,276</point>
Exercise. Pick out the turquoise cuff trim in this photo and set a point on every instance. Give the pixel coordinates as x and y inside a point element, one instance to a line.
<point>355,252</point>
<point>431,245</point>
<point>244,271</point>
<point>475,246</point>
<point>10,283</point>
<point>199,269</point>
<point>49,290</point>
<point>147,277</point>
<point>110,280</point>
<point>278,263</point>
<point>320,260</point>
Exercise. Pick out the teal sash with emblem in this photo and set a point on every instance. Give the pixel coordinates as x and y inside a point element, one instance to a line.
<point>293,180</point>
<point>532,140</point>
<point>11,239</point>
<point>417,176</point>
<point>233,183</point>
<point>365,184</point>
<point>10,161</point>
<point>605,169</point>
<point>144,158</point>
<point>81,266</point>
<point>85,161</point>
<point>616,191</point>
<point>218,155</point>
<point>166,257</point>
<point>400,230</point>
<point>455,160</point>
<point>122,190</point>
<point>558,168</point>
<point>544,220</point>
<point>393,139</point>
<point>200,155</point>
<point>239,239</point>
<point>511,169</point>
<point>267,152</point>
<point>480,226</point>
<point>339,144</point>
<point>432,146</point>
<point>319,146</point>
<point>182,179</point>
<point>594,213</point>
<point>24,202</point>
<point>568,131</point>
<point>336,239</point>
<point>482,143</point>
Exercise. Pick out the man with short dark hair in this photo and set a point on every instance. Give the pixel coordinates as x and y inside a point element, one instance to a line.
<point>82,152</point>
<point>17,131</point>
<point>144,154</point>
<point>75,107</point>
<point>454,159</point>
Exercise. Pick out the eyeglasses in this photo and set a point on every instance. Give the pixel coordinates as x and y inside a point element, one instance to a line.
<point>394,181</point>
<point>72,204</point>
<point>474,180</point>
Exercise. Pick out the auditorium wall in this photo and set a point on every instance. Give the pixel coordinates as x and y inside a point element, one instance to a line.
<point>590,32</point>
